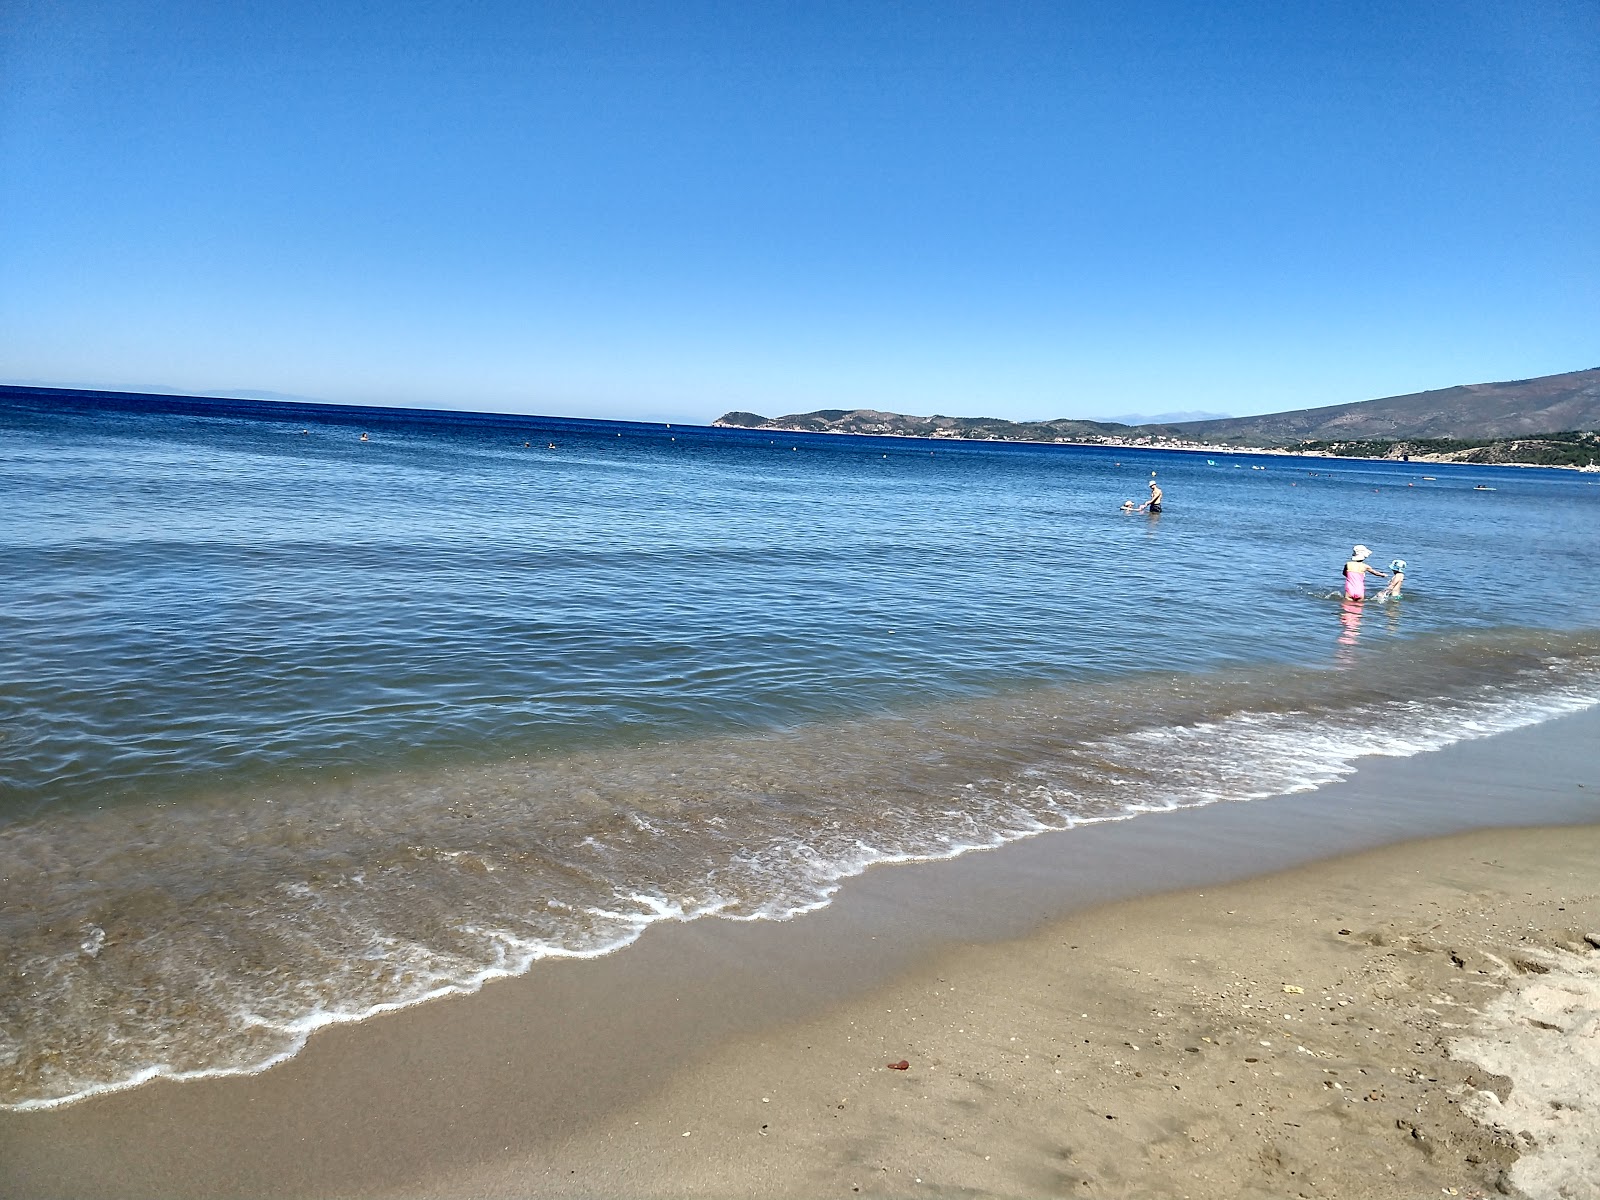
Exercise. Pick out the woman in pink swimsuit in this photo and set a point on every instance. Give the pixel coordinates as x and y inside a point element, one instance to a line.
<point>1356,572</point>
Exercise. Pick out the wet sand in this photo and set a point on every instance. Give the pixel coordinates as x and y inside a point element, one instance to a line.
<point>1061,1037</point>
<point>1298,1035</point>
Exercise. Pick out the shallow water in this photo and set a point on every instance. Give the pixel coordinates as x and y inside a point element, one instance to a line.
<point>297,726</point>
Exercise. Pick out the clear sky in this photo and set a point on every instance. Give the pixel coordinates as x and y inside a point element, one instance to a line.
<point>669,210</point>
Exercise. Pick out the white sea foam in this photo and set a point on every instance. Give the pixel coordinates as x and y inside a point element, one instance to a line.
<point>1141,772</point>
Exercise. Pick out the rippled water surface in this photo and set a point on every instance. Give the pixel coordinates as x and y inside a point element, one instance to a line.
<point>296,725</point>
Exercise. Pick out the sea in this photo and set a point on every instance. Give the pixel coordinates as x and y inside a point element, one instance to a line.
<point>309,713</point>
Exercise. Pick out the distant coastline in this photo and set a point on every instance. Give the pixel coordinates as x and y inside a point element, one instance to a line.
<point>1574,450</point>
<point>1550,421</point>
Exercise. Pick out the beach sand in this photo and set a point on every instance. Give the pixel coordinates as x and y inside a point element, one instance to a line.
<point>1395,1022</point>
<point>1289,1036</point>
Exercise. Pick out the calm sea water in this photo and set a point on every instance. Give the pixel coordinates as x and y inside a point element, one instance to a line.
<point>295,726</point>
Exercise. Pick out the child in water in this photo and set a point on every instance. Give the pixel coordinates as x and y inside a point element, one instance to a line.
<point>1397,576</point>
<point>1356,572</point>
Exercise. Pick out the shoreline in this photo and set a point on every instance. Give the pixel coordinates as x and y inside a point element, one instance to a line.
<point>1318,1032</point>
<point>1425,458</point>
<point>539,1069</point>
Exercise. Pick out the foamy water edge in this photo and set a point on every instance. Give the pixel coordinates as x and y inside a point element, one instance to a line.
<point>1318,765</point>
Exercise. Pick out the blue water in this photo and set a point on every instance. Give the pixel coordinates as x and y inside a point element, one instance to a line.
<point>355,721</point>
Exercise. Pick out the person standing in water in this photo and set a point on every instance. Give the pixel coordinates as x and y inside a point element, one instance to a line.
<point>1356,572</point>
<point>1397,578</point>
<point>1154,503</point>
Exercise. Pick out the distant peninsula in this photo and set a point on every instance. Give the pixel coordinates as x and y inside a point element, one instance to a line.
<point>1549,421</point>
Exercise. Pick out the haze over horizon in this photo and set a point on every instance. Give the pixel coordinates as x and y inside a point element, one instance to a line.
<point>651,211</point>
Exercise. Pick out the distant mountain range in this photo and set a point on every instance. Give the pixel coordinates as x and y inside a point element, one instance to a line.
<point>1519,408</point>
<point>1472,412</point>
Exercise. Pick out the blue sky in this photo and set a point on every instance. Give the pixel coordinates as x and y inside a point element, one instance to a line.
<point>666,211</point>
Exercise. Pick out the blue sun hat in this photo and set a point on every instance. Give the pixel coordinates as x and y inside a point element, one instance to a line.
<point>1398,564</point>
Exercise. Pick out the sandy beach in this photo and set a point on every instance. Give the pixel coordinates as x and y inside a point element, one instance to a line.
<point>1339,1020</point>
<point>1299,1035</point>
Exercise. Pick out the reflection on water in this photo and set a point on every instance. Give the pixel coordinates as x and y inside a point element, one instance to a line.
<point>1392,609</point>
<point>1349,632</point>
